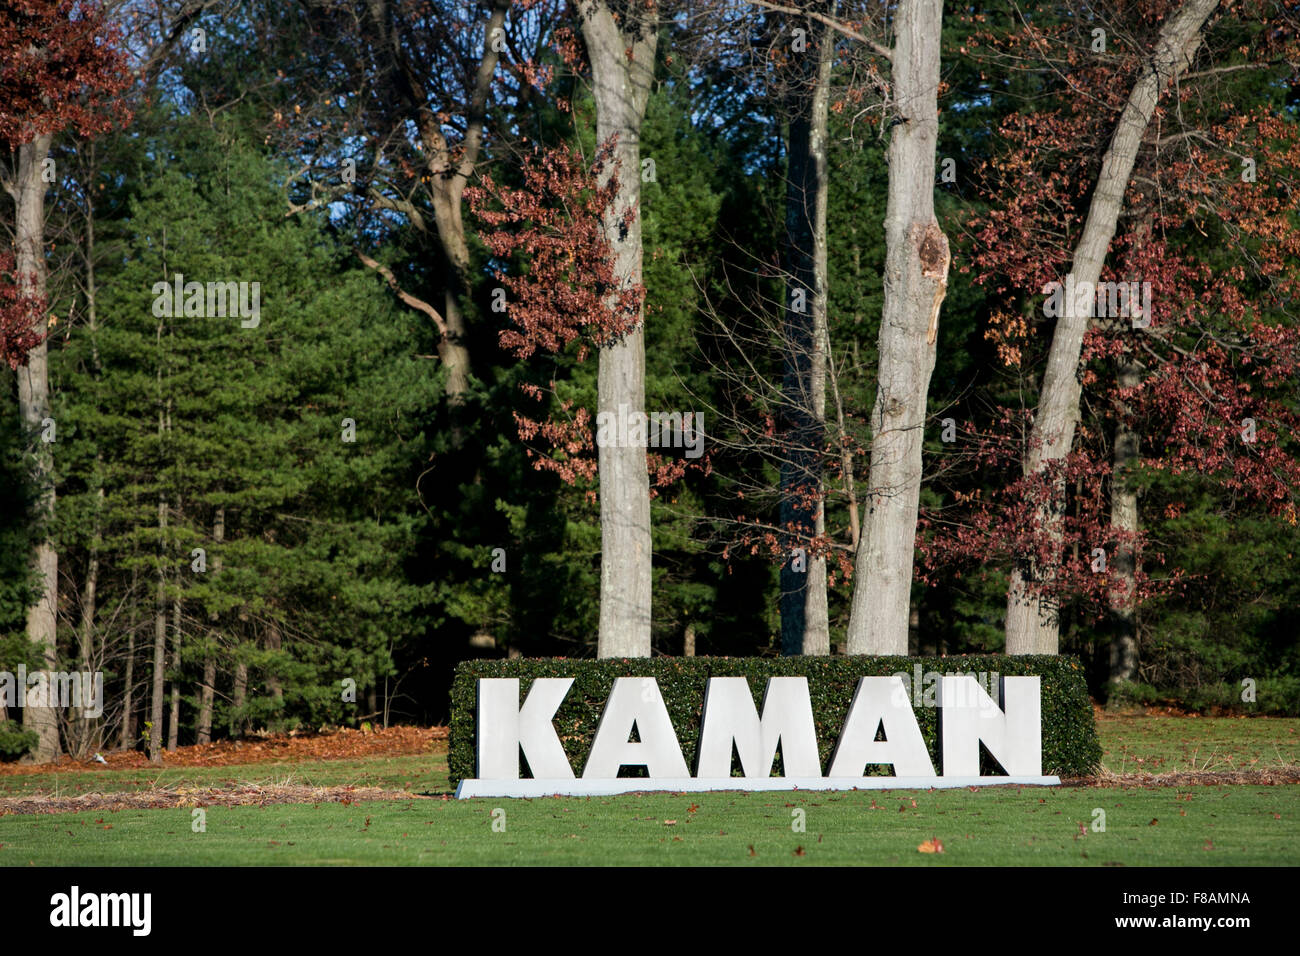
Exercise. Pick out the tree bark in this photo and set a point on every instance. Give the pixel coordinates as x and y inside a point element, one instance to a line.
<point>81,731</point>
<point>207,689</point>
<point>846,450</point>
<point>622,55</point>
<point>915,283</point>
<point>127,739</point>
<point>174,719</point>
<point>1124,506</point>
<point>1033,624</point>
<point>204,734</point>
<point>34,408</point>
<point>274,643</point>
<point>805,627</point>
<point>160,596</point>
<point>1124,518</point>
<point>159,637</point>
<point>239,698</point>
<point>89,730</point>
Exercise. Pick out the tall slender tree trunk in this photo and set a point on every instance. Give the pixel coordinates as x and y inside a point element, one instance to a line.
<point>127,739</point>
<point>89,731</point>
<point>1033,624</point>
<point>239,697</point>
<point>156,697</point>
<point>34,407</point>
<point>174,717</point>
<point>915,283</point>
<point>81,737</point>
<point>274,642</point>
<point>1124,518</point>
<point>1124,504</point>
<point>622,55</point>
<point>207,689</point>
<point>846,450</point>
<point>805,627</point>
<point>159,636</point>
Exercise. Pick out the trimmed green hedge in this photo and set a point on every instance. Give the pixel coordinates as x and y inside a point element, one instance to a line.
<point>1070,746</point>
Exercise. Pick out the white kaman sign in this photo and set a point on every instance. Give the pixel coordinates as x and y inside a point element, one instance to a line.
<point>880,730</point>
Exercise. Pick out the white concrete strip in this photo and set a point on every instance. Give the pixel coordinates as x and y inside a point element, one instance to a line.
<point>580,787</point>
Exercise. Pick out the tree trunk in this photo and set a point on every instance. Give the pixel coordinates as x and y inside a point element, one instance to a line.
<point>449,172</point>
<point>446,193</point>
<point>452,352</point>
<point>1124,506</point>
<point>34,407</point>
<point>1124,518</point>
<point>915,283</point>
<point>81,737</point>
<point>88,729</point>
<point>239,698</point>
<point>205,701</point>
<point>85,732</point>
<point>206,691</point>
<point>805,628</point>
<point>127,739</point>
<point>174,722</point>
<point>846,450</point>
<point>1033,625</point>
<point>174,713</point>
<point>622,64</point>
<point>159,639</point>
<point>274,643</point>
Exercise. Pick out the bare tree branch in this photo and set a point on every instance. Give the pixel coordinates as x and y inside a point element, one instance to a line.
<point>831,22</point>
<point>406,297</point>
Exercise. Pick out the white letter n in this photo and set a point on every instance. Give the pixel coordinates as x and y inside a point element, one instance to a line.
<point>969,717</point>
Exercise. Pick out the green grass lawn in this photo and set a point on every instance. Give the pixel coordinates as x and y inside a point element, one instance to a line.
<point>417,773</point>
<point>1175,744</point>
<point>1215,825</point>
<point>1223,825</point>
